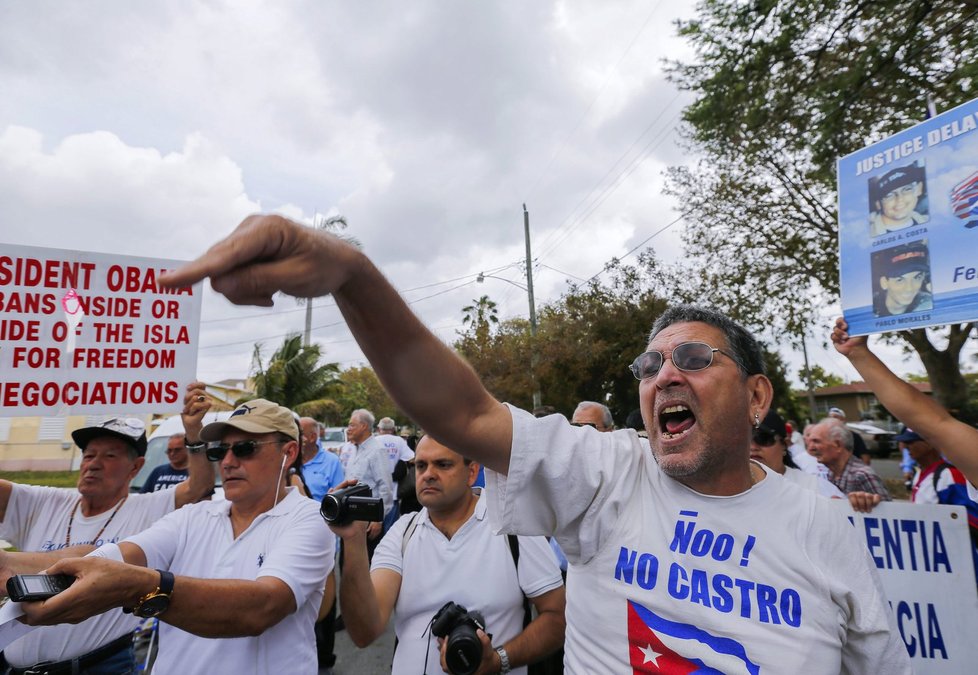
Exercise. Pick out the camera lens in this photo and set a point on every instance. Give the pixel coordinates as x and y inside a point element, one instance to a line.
<point>330,508</point>
<point>463,653</point>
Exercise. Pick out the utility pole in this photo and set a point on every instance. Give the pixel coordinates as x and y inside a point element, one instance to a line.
<point>537,397</point>
<point>808,379</point>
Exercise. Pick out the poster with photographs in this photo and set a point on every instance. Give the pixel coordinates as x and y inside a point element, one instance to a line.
<point>908,226</point>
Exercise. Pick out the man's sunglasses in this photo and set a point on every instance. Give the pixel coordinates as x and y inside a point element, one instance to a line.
<point>584,424</point>
<point>240,449</point>
<point>688,356</point>
<point>764,437</point>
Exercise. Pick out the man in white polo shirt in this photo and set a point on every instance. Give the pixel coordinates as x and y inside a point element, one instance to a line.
<point>447,552</point>
<point>237,584</point>
<point>47,524</point>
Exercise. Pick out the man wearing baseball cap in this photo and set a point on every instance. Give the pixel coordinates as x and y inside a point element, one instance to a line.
<point>894,198</point>
<point>236,584</point>
<point>904,282</point>
<point>52,523</point>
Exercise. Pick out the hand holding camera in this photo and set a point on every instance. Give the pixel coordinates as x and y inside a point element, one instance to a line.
<point>462,648</point>
<point>349,502</point>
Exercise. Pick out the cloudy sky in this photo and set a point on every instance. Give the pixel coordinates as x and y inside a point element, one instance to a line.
<point>151,129</point>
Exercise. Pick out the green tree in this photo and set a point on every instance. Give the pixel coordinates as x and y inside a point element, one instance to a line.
<point>480,317</point>
<point>359,388</point>
<point>820,377</point>
<point>585,341</point>
<point>784,402</point>
<point>294,377</point>
<point>782,90</point>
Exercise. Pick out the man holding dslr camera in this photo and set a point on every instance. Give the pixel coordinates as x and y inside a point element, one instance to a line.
<point>448,553</point>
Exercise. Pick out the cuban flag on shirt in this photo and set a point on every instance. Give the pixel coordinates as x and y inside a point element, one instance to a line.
<point>658,645</point>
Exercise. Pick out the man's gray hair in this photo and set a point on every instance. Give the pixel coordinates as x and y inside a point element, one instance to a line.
<point>606,417</point>
<point>365,416</point>
<point>744,348</point>
<point>306,420</point>
<point>838,432</point>
<point>387,424</point>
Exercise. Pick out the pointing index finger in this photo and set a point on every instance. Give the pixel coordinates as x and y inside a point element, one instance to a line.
<point>239,248</point>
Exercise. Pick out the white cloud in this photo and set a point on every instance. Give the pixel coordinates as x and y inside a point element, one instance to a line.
<point>152,129</point>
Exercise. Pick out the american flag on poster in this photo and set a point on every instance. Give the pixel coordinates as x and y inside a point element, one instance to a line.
<point>658,645</point>
<point>964,200</point>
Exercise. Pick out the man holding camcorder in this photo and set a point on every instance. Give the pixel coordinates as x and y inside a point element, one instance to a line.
<point>446,553</point>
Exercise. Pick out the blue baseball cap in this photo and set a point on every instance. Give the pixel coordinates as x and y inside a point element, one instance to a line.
<point>908,435</point>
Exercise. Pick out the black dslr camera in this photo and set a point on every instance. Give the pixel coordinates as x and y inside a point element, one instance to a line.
<point>463,652</point>
<point>342,507</point>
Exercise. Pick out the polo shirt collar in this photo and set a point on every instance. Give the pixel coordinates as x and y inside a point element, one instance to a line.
<point>222,508</point>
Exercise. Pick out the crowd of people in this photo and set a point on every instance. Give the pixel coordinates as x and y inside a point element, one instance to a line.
<point>709,542</point>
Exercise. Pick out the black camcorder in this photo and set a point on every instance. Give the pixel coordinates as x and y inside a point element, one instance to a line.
<point>458,626</point>
<point>342,507</point>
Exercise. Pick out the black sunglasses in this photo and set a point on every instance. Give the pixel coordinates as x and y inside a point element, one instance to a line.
<point>584,424</point>
<point>688,356</point>
<point>240,449</point>
<point>765,437</point>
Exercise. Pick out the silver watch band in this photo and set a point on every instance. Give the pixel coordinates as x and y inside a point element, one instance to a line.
<point>504,666</point>
<point>194,448</point>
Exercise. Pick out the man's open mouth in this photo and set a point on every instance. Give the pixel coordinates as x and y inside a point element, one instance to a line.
<point>675,420</point>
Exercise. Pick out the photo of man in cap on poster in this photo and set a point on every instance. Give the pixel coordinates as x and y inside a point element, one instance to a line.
<point>898,199</point>
<point>903,277</point>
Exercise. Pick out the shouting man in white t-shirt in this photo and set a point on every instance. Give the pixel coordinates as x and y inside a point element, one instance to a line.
<point>688,555</point>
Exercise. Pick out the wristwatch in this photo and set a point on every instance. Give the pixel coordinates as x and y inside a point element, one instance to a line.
<point>194,448</point>
<point>504,666</point>
<point>157,602</point>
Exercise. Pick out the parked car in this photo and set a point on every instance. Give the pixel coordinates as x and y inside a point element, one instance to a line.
<point>156,447</point>
<point>334,438</point>
<point>879,441</point>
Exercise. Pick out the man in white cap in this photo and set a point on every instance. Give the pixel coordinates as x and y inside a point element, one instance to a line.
<point>237,584</point>
<point>58,522</point>
<point>399,453</point>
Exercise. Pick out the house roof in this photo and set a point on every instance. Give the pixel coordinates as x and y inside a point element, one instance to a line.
<point>863,388</point>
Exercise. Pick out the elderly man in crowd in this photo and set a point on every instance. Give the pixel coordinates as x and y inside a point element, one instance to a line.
<point>51,523</point>
<point>832,445</point>
<point>651,535</point>
<point>236,584</point>
<point>368,463</point>
<point>593,414</point>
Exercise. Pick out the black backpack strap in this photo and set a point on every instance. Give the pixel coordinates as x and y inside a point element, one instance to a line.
<point>408,533</point>
<point>514,549</point>
<point>937,476</point>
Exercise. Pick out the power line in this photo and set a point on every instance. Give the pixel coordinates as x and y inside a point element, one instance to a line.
<point>590,204</point>
<point>280,312</point>
<point>330,325</point>
<point>639,245</point>
<point>594,100</point>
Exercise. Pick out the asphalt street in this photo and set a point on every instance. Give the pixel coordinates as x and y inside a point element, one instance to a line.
<point>375,659</point>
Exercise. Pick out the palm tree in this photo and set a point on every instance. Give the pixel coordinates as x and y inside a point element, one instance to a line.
<point>293,376</point>
<point>481,314</point>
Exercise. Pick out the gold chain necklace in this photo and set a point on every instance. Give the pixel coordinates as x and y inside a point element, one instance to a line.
<point>71,520</point>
